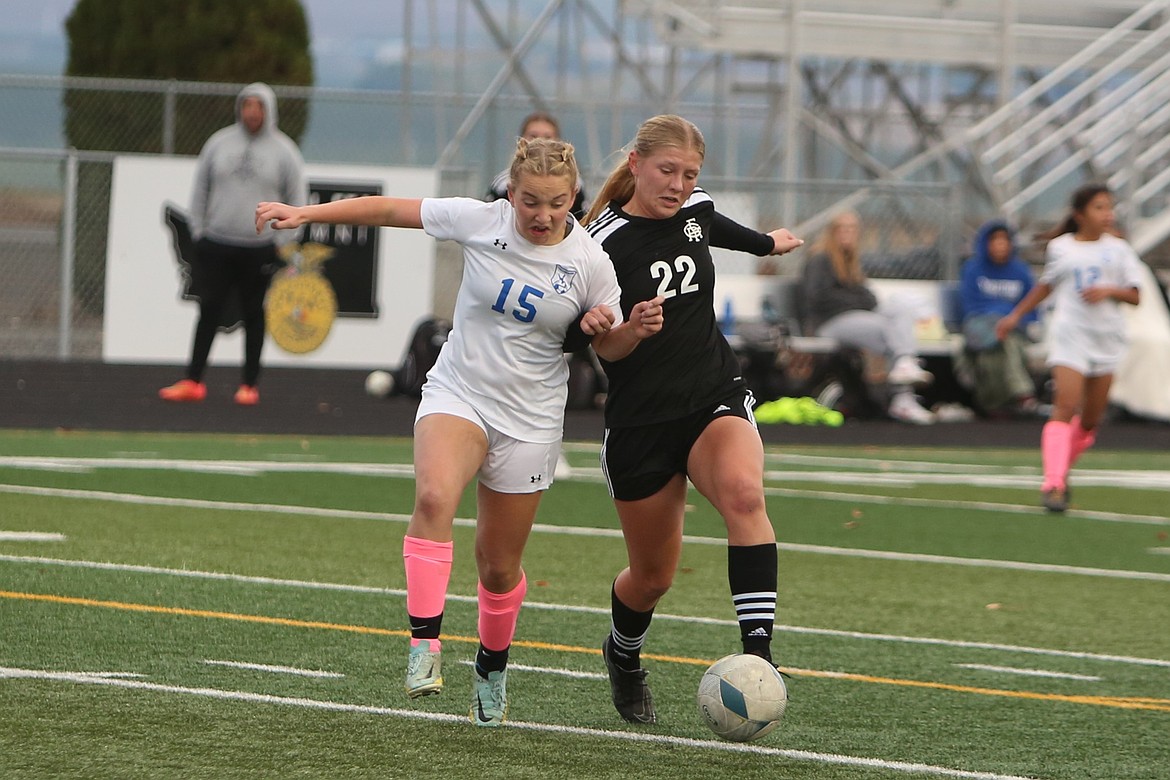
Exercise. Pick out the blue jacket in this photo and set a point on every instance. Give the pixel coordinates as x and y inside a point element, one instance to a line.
<point>987,287</point>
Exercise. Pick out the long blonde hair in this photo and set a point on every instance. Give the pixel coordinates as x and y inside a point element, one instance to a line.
<point>846,262</point>
<point>544,157</point>
<point>655,133</point>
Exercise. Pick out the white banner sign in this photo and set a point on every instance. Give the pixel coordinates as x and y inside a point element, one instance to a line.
<point>147,319</point>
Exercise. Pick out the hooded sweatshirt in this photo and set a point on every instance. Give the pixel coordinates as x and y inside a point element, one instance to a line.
<point>238,169</point>
<point>987,287</point>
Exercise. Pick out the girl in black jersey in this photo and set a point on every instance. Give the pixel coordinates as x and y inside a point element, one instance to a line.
<point>678,407</point>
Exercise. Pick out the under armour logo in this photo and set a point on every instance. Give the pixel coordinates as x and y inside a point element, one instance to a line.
<point>535,478</point>
<point>502,244</point>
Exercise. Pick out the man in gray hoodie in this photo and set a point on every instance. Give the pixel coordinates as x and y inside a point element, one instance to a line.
<point>241,165</point>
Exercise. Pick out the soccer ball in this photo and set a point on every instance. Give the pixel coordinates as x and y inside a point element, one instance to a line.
<point>379,384</point>
<point>742,697</point>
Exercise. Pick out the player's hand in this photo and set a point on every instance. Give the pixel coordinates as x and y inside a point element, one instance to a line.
<point>646,317</point>
<point>1096,294</point>
<point>280,215</point>
<point>597,320</point>
<point>784,241</point>
<point>1006,325</point>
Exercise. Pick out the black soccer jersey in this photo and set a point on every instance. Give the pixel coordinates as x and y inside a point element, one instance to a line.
<point>689,364</point>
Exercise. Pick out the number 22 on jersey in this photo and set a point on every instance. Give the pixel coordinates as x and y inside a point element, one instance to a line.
<point>684,269</point>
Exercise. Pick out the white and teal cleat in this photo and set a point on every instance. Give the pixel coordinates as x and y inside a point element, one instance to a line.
<point>424,669</point>
<point>489,700</point>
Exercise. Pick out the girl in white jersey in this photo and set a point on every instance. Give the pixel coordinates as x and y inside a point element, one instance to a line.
<point>493,405</point>
<point>1090,271</point>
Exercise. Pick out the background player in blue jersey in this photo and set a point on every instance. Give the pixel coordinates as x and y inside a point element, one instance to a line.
<point>678,407</point>
<point>1089,271</point>
<point>493,405</point>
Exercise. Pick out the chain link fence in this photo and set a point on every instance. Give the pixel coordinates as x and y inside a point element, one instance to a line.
<point>54,201</point>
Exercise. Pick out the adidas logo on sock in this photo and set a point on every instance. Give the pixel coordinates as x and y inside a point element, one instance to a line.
<point>761,631</point>
<point>721,408</point>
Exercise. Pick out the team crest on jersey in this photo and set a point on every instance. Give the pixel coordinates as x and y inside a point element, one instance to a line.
<point>693,231</point>
<point>562,279</point>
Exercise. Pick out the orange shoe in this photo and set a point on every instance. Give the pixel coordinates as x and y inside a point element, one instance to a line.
<point>184,390</point>
<point>247,395</point>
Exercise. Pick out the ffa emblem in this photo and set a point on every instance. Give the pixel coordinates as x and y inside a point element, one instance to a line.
<point>692,231</point>
<point>301,304</point>
<point>562,279</point>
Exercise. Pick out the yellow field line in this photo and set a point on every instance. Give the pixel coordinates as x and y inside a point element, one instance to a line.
<point>1119,702</point>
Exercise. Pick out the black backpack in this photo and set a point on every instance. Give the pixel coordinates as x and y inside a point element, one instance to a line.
<point>429,337</point>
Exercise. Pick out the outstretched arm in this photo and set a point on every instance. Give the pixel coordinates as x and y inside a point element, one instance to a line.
<point>726,233</point>
<point>367,210</point>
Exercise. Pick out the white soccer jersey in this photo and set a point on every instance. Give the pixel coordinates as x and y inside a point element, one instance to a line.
<point>514,307</point>
<point>1094,331</point>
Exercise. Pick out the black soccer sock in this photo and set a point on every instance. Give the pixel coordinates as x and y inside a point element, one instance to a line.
<point>751,573</point>
<point>425,628</point>
<point>628,630</point>
<point>490,661</point>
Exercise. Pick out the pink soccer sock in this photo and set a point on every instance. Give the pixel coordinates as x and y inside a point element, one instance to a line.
<point>1055,449</point>
<point>1080,440</point>
<point>428,570</point>
<point>498,613</point>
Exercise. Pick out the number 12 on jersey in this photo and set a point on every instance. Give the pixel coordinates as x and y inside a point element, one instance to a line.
<point>526,310</point>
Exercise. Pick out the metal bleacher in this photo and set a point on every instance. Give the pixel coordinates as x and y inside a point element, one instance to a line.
<point>1082,89</point>
<point>1029,33</point>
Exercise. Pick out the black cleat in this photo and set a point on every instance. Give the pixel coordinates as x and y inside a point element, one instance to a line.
<point>1056,500</point>
<point>631,694</point>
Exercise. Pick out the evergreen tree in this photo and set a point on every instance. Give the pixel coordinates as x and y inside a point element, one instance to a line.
<point>226,41</point>
<point>217,41</point>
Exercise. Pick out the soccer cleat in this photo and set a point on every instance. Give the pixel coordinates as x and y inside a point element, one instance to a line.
<point>1055,500</point>
<point>489,700</point>
<point>631,694</point>
<point>905,407</point>
<point>183,391</point>
<point>247,395</point>
<point>424,669</point>
<point>906,371</point>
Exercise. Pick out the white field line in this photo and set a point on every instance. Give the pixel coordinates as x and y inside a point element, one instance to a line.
<point>1030,672</point>
<point>899,473</point>
<point>1160,550</point>
<point>549,670</point>
<point>628,736</point>
<point>238,467</point>
<point>30,536</point>
<point>274,669</point>
<point>882,464</point>
<point>611,533</point>
<point>599,611</point>
<point>982,506</point>
<point>1136,480</point>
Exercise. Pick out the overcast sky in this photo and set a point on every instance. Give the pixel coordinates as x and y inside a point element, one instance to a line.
<point>346,35</point>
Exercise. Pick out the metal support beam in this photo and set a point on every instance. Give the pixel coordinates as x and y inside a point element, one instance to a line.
<point>501,78</point>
